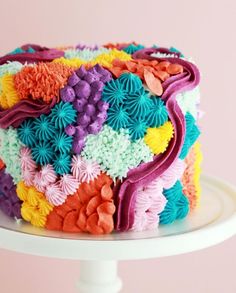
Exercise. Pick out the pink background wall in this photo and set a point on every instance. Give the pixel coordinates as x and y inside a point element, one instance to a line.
<point>202,29</point>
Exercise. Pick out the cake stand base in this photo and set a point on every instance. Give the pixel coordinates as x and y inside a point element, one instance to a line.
<point>99,277</point>
<point>213,222</point>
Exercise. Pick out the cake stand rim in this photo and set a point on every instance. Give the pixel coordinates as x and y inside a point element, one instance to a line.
<point>108,249</point>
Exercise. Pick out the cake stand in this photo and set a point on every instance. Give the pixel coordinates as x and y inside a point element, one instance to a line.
<point>213,222</point>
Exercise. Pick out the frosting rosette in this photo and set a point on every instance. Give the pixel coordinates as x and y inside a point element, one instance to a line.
<point>99,139</point>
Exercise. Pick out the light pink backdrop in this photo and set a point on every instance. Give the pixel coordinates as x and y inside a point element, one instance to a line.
<point>202,29</point>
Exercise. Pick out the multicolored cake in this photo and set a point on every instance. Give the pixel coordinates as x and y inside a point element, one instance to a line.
<point>99,139</point>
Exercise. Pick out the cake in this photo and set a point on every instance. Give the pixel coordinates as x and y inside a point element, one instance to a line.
<point>99,139</point>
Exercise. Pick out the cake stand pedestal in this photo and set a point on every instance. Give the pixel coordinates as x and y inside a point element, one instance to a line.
<point>213,222</point>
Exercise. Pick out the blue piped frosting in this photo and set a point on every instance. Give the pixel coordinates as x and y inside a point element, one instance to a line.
<point>132,107</point>
<point>62,164</point>
<point>26,133</point>
<point>131,49</point>
<point>63,114</point>
<point>177,206</point>
<point>158,113</point>
<point>131,82</point>
<point>62,142</point>
<point>169,214</point>
<point>137,128</point>
<point>174,193</point>
<point>183,207</point>
<point>42,153</point>
<point>43,128</point>
<point>174,50</point>
<point>117,117</point>
<point>192,134</point>
<point>114,93</point>
<point>139,104</point>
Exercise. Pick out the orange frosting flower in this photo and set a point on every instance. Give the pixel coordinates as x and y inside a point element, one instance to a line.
<point>152,72</point>
<point>2,165</point>
<point>189,188</point>
<point>117,45</point>
<point>90,209</point>
<point>41,81</point>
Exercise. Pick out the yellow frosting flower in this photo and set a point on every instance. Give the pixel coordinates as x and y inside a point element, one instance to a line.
<point>158,138</point>
<point>38,220</point>
<point>22,191</point>
<point>9,96</point>
<point>44,207</point>
<point>106,59</point>
<point>35,207</point>
<point>33,196</point>
<point>197,170</point>
<point>27,211</point>
<point>74,62</point>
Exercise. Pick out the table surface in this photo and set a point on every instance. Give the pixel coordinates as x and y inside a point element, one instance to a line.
<point>213,222</point>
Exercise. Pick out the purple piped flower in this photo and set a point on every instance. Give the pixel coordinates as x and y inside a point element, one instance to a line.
<point>83,46</point>
<point>95,97</point>
<point>70,130</point>
<point>94,128</point>
<point>102,106</point>
<point>6,206</point>
<point>10,204</point>
<point>67,94</point>
<point>79,104</point>
<point>13,196</point>
<point>80,132</point>
<point>83,119</point>
<point>101,117</point>
<point>81,71</point>
<point>106,77</point>
<point>92,111</point>
<point>97,86</point>
<point>78,145</point>
<point>90,77</point>
<point>73,79</point>
<point>82,89</point>
<point>16,210</point>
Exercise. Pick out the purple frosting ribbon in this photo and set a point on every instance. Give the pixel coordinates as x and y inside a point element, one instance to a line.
<point>41,54</point>
<point>145,173</point>
<point>24,109</point>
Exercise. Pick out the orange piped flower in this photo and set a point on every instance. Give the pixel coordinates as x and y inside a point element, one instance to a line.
<point>191,176</point>
<point>90,209</point>
<point>41,81</point>
<point>152,72</point>
<point>2,165</point>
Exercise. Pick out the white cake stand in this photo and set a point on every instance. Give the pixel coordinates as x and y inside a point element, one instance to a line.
<point>213,222</point>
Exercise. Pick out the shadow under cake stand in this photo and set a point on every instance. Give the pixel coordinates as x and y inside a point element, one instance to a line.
<point>213,222</point>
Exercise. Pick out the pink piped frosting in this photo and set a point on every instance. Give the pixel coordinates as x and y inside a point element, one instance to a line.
<point>76,163</point>
<point>27,163</point>
<point>48,174</point>
<point>89,171</point>
<point>39,183</point>
<point>68,184</point>
<point>84,170</point>
<point>28,176</point>
<point>149,204</point>
<point>55,195</point>
<point>173,173</point>
<point>150,201</point>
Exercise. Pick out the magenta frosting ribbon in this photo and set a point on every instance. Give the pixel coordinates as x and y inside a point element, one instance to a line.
<point>145,173</point>
<point>23,110</point>
<point>41,54</point>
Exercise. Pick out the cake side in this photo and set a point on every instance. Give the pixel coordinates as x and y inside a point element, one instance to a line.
<point>96,139</point>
